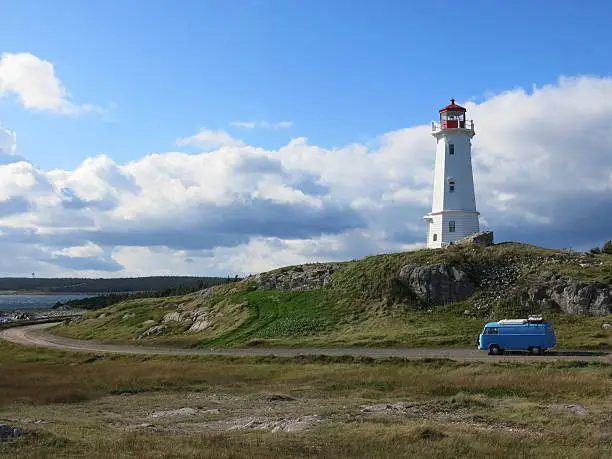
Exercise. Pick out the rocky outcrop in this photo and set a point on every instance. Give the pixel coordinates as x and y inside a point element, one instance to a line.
<point>207,292</point>
<point>484,238</point>
<point>199,326</point>
<point>156,330</point>
<point>199,319</point>
<point>298,278</point>
<point>437,284</point>
<point>284,425</point>
<point>570,295</point>
<point>176,317</point>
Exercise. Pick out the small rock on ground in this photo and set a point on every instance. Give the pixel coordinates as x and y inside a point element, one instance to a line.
<point>7,432</point>
<point>385,407</point>
<point>33,421</point>
<point>173,413</point>
<point>181,412</point>
<point>283,425</point>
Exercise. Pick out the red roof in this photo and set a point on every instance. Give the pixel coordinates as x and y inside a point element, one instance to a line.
<point>452,107</point>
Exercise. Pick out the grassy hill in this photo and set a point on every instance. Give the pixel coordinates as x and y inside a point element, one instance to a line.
<point>364,303</point>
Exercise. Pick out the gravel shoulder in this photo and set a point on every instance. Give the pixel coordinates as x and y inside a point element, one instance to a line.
<point>37,335</point>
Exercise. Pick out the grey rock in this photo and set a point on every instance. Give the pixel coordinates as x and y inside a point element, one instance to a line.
<point>207,292</point>
<point>483,238</point>
<point>156,330</point>
<point>33,421</point>
<point>607,326</point>
<point>437,284</point>
<point>7,432</point>
<point>386,407</point>
<point>283,425</point>
<point>128,315</point>
<point>377,408</point>
<point>173,317</point>
<point>298,278</point>
<point>173,413</point>
<point>571,296</point>
<point>199,326</point>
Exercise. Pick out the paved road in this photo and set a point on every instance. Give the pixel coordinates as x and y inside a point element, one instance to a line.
<point>37,335</point>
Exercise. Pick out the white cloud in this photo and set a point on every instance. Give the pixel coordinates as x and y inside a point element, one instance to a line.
<point>283,124</point>
<point>8,141</point>
<point>244,124</point>
<point>83,251</point>
<point>543,174</point>
<point>35,84</point>
<point>208,139</point>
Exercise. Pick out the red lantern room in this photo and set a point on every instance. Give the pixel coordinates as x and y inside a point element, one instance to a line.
<point>452,116</point>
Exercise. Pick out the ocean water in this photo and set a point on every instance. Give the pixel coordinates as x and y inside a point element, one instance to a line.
<point>13,302</point>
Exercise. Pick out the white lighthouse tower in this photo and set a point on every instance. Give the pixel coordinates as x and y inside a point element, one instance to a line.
<point>453,213</point>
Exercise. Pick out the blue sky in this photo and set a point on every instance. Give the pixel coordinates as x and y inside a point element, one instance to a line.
<point>348,170</point>
<point>342,71</point>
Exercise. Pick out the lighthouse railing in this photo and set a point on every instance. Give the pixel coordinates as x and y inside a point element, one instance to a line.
<point>452,124</point>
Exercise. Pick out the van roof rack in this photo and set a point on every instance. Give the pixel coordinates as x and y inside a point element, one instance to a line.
<point>512,321</point>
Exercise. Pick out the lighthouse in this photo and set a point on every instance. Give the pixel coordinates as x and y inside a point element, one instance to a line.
<point>453,213</point>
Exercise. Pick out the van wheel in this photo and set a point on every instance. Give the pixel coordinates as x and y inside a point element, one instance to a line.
<point>537,350</point>
<point>494,349</point>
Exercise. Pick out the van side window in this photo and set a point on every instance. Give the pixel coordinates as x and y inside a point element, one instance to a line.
<point>491,331</point>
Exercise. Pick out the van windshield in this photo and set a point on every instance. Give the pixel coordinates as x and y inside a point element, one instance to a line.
<point>490,331</point>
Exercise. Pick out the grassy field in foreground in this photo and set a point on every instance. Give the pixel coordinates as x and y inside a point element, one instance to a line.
<point>155,406</point>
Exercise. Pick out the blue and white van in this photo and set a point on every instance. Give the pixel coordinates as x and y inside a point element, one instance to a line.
<point>534,335</point>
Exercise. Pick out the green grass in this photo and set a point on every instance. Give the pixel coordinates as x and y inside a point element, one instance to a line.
<point>599,271</point>
<point>281,316</point>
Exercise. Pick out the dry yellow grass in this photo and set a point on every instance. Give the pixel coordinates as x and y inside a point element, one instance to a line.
<point>95,407</point>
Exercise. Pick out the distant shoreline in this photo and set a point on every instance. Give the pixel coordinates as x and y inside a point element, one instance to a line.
<point>37,292</point>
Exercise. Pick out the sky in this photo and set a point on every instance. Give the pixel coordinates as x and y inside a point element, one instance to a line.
<point>219,138</point>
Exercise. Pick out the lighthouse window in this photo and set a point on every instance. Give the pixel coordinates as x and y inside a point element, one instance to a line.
<point>451,186</point>
<point>451,226</point>
<point>451,148</point>
<point>435,237</point>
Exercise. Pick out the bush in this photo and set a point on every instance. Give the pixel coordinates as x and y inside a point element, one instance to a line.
<point>607,247</point>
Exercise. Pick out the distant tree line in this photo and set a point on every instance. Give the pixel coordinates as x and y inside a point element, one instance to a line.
<point>606,248</point>
<point>102,301</point>
<point>118,285</point>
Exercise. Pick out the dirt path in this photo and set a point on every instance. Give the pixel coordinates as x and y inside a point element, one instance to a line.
<point>36,335</point>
